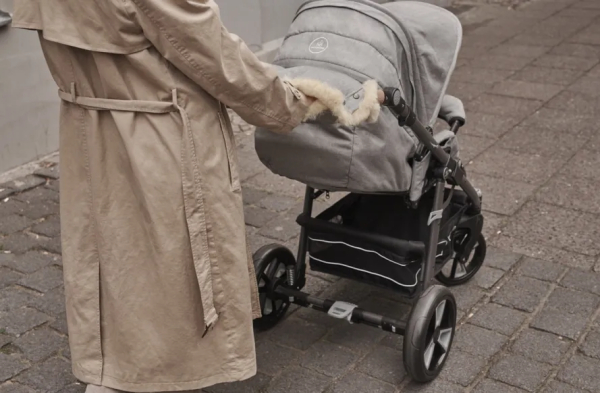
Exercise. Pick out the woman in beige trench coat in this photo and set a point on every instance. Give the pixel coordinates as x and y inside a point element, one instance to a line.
<point>160,293</point>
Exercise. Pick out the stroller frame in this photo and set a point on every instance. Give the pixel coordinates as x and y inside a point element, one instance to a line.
<point>446,171</point>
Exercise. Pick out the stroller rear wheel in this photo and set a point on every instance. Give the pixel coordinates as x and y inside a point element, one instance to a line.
<point>429,333</point>
<point>459,272</point>
<point>270,265</point>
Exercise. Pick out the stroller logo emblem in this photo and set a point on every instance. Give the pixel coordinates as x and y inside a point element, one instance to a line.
<point>319,45</point>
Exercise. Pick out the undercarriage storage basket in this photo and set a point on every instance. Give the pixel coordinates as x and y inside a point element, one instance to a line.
<point>376,239</point>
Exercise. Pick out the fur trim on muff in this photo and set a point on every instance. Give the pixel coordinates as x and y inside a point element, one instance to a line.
<point>331,99</point>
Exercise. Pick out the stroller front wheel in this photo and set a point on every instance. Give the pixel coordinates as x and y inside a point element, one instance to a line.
<point>429,334</point>
<point>270,265</point>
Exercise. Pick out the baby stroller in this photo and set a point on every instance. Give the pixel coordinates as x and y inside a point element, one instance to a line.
<point>410,214</point>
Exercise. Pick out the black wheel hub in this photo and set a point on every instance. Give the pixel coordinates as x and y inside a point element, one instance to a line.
<point>439,335</point>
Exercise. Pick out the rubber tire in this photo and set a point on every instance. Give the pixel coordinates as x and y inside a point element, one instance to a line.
<point>416,332</point>
<point>480,254</point>
<point>262,258</point>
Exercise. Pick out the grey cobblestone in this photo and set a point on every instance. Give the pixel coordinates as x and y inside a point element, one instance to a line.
<point>23,320</point>
<point>581,372</point>
<point>13,298</point>
<point>329,359</point>
<point>50,376</point>
<point>498,318</point>
<point>360,383</point>
<point>26,183</point>
<point>491,386</point>
<point>462,368</point>
<point>541,270</point>
<point>560,387</point>
<point>385,364</point>
<point>14,223</point>
<point>591,346</point>
<point>43,280</point>
<point>359,338</point>
<point>478,341</point>
<point>582,280</point>
<point>518,371</point>
<point>18,243</point>
<point>299,380</point>
<point>14,388</point>
<point>8,277</point>
<point>10,365</point>
<point>298,333</point>
<point>541,346</point>
<point>40,344</point>
<point>48,228</point>
<point>51,302</point>
<point>272,358</point>
<point>254,384</point>
<point>522,293</point>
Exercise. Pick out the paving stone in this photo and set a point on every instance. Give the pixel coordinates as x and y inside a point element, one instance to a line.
<point>500,62</point>
<point>18,243</point>
<point>385,364</point>
<point>258,217</point>
<point>577,50</point>
<point>554,226</point>
<point>518,371</point>
<point>252,196</point>
<point>568,62</point>
<point>522,89</point>
<point>315,286</point>
<point>60,324</point>
<point>18,322</point>
<point>587,4</point>
<point>559,121</point>
<point>14,388</point>
<point>258,383</point>
<point>329,359</point>
<point>500,195</point>
<point>541,346</point>
<point>559,387</point>
<point>38,196</point>
<point>488,125</point>
<point>30,261</point>
<point>359,383</point>
<point>282,229</point>
<point>347,290</point>
<point>276,184</point>
<point>356,337</point>
<point>491,386</point>
<point>467,296</point>
<point>555,76</point>
<point>472,146</point>
<point>487,277</point>
<point>541,270</point>
<point>581,372</point>
<point>501,259</point>
<point>277,203</point>
<point>514,166</point>
<point>53,185</point>
<point>40,344</point>
<point>566,312</point>
<point>582,165</point>
<point>470,74</point>
<point>478,341</point>
<point>299,380</point>
<point>43,280</point>
<point>467,91</point>
<point>26,183</point>
<point>587,85</point>
<point>538,251</point>
<point>49,227</point>
<point>435,386</point>
<point>573,102</point>
<point>49,172</point>
<point>252,166</point>
<point>5,339</point>
<point>462,368</point>
<point>526,140</point>
<point>11,206</point>
<point>53,245</point>
<point>51,302</point>
<point>10,365</point>
<point>13,298</point>
<point>75,388</point>
<point>571,192</point>
<point>515,50</point>
<point>5,192</point>
<point>50,376</point>
<point>272,358</point>
<point>493,224</point>
<point>13,223</point>
<point>498,318</point>
<point>8,277</point>
<point>504,106</point>
<point>591,346</point>
<point>582,280</point>
<point>36,211</point>
<point>522,293</point>
<point>535,39</point>
<point>298,333</point>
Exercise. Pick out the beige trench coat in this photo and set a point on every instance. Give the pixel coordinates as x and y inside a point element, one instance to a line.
<point>160,292</point>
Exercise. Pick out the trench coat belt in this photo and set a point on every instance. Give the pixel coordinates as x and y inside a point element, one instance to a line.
<point>193,197</point>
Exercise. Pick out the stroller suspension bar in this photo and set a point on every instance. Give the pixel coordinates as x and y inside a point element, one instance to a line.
<point>343,310</point>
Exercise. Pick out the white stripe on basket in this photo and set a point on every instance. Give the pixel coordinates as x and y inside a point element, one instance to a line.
<point>358,248</point>
<point>368,272</point>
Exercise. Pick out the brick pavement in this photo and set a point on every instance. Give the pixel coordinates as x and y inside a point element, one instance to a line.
<point>530,79</point>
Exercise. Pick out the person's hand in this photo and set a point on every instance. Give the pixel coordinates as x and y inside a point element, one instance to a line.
<point>380,97</point>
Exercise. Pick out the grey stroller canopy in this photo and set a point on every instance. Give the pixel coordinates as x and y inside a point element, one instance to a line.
<point>408,45</point>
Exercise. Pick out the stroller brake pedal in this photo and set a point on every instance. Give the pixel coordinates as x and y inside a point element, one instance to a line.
<point>342,310</point>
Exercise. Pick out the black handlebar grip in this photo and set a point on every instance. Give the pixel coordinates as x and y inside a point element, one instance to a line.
<point>393,97</point>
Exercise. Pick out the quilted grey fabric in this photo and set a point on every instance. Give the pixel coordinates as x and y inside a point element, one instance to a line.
<point>408,45</point>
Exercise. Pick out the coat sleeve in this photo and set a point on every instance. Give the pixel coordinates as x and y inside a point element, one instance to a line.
<point>190,34</point>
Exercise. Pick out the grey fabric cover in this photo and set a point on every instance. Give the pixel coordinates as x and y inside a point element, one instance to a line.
<point>408,45</point>
<point>452,108</point>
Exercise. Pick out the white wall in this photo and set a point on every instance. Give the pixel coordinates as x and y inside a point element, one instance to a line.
<point>28,99</point>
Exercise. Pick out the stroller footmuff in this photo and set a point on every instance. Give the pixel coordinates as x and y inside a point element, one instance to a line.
<point>411,215</point>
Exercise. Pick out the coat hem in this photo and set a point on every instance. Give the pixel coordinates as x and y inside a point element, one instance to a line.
<point>245,371</point>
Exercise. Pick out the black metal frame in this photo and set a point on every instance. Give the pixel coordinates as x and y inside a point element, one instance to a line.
<point>447,170</point>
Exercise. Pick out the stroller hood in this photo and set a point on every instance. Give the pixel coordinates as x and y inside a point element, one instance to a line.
<point>409,45</point>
